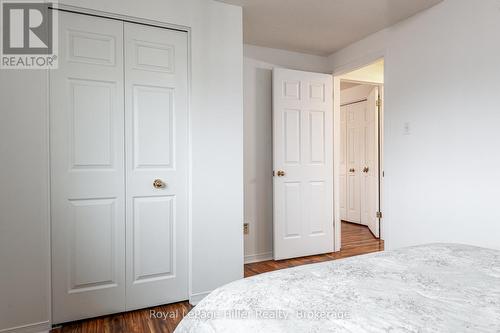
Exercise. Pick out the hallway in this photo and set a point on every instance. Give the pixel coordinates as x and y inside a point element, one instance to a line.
<point>356,240</point>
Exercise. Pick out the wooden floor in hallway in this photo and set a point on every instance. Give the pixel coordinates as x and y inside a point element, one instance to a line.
<point>356,240</point>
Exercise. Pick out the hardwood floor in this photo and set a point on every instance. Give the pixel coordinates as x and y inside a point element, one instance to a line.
<point>165,320</point>
<point>356,240</point>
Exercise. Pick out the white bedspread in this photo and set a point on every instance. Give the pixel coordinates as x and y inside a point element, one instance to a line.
<point>431,288</point>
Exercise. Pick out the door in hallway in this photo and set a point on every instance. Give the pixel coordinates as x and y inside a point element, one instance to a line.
<point>370,164</point>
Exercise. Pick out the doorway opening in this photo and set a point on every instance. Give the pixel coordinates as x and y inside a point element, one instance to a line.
<point>327,161</point>
<point>359,156</point>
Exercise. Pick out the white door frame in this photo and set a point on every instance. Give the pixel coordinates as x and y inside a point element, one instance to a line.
<point>147,22</point>
<point>338,72</point>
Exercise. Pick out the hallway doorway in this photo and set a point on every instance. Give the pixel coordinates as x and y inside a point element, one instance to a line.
<point>358,150</point>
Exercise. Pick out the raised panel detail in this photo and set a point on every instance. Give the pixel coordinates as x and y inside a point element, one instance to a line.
<point>317,205</point>
<point>91,48</point>
<point>365,194</point>
<point>153,230</point>
<point>317,92</point>
<point>351,115</point>
<point>351,199</point>
<point>93,259</point>
<point>291,90</point>
<point>317,136</point>
<point>343,145</point>
<point>370,144</point>
<point>153,127</point>
<point>154,57</point>
<point>351,145</point>
<point>92,131</point>
<point>293,206</point>
<point>292,136</point>
<point>366,152</point>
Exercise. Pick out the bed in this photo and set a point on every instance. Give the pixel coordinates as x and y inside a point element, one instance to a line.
<point>429,288</point>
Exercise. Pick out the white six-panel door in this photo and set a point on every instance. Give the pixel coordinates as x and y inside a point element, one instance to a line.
<point>156,126</point>
<point>118,123</point>
<point>303,163</point>
<point>370,173</point>
<point>87,169</point>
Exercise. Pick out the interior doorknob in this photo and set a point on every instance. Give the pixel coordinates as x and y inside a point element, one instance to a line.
<point>281,173</point>
<point>158,183</point>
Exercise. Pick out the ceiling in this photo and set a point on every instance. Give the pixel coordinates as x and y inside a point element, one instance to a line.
<point>320,26</point>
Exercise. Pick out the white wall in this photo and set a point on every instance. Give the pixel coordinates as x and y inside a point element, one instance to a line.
<point>287,59</point>
<point>258,65</point>
<point>24,205</point>
<point>217,158</point>
<point>442,75</point>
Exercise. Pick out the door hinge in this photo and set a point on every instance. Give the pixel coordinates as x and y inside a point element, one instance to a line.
<point>379,215</point>
<point>379,102</point>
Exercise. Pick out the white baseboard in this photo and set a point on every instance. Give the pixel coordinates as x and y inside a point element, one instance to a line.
<point>41,327</point>
<point>196,298</point>
<point>251,258</point>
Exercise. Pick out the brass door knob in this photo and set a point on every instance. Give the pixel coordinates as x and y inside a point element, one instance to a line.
<point>352,170</point>
<point>158,183</point>
<point>281,173</point>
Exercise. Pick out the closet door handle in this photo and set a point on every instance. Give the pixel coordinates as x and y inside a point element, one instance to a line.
<point>366,169</point>
<point>352,170</point>
<point>158,183</point>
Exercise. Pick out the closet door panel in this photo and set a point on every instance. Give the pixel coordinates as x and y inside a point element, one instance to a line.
<point>87,169</point>
<point>156,127</point>
<point>343,163</point>
<point>353,154</point>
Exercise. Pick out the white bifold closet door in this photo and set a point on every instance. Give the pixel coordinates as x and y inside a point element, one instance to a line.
<point>87,169</point>
<point>156,124</point>
<point>118,122</point>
